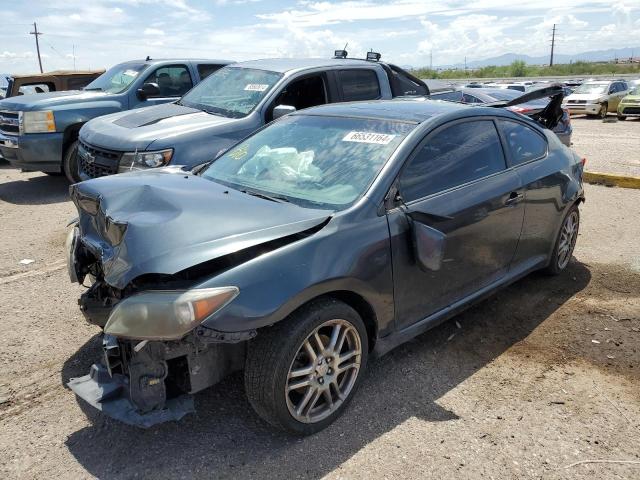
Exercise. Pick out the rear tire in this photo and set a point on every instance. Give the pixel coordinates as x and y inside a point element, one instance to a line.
<point>565,243</point>
<point>70,163</point>
<point>295,379</point>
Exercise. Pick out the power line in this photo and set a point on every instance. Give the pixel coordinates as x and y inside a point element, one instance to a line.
<point>36,33</point>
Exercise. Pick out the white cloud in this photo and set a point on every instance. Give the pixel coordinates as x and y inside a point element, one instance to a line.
<point>153,31</point>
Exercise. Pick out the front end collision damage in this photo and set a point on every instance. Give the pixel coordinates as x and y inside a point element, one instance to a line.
<point>143,382</point>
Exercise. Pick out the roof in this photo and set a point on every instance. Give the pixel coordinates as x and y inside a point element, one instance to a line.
<point>58,73</point>
<point>410,109</point>
<point>283,65</point>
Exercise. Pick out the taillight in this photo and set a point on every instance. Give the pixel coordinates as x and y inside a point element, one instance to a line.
<point>520,109</point>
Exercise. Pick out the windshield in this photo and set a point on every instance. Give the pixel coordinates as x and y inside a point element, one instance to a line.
<point>635,91</point>
<point>597,88</point>
<point>505,94</point>
<point>117,79</point>
<point>319,162</point>
<point>231,92</point>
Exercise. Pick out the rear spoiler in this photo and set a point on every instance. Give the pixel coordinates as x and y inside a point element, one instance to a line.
<point>547,117</point>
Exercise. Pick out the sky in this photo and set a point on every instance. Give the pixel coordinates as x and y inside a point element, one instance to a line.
<point>101,33</point>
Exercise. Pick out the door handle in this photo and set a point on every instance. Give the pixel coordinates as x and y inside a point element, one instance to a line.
<point>514,197</point>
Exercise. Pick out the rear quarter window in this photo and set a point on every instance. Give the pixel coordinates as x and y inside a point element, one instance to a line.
<point>361,84</point>
<point>524,143</point>
<point>206,69</point>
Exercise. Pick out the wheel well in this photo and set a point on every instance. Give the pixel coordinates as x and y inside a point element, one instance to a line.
<point>364,309</point>
<point>70,136</point>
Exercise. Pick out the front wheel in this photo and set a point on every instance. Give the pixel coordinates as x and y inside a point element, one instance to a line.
<point>621,117</point>
<point>70,163</point>
<point>565,243</point>
<point>301,373</point>
<point>603,110</point>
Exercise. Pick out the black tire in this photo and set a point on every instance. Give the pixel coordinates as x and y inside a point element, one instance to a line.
<point>557,263</point>
<point>621,117</point>
<point>604,108</point>
<point>70,163</point>
<point>272,353</point>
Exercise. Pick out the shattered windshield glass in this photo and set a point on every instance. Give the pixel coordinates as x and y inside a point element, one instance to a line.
<point>231,92</point>
<point>313,161</point>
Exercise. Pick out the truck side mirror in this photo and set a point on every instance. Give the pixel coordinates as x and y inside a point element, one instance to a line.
<point>282,110</point>
<point>148,90</point>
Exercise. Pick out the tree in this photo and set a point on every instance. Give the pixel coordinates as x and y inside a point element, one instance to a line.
<point>518,68</point>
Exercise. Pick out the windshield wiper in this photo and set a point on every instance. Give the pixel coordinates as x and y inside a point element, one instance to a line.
<point>273,198</point>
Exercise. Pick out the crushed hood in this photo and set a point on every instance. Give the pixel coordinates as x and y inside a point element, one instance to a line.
<point>42,101</point>
<point>140,127</point>
<point>167,220</point>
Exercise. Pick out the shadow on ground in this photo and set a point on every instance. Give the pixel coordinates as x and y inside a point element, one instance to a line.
<point>226,439</point>
<point>41,190</point>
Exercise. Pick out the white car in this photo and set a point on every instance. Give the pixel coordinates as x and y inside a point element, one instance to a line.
<point>596,97</point>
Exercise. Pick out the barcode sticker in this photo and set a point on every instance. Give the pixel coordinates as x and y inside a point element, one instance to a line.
<point>256,87</point>
<point>368,137</point>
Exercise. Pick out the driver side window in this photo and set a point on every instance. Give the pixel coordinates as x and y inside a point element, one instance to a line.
<point>173,80</point>
<point>303,93</point>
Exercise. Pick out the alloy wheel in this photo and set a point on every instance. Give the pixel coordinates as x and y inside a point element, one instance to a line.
<point>568,236</point>
<point>323,371</point>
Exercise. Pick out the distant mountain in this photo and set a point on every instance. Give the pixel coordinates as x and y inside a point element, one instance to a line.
<point>592,56</point>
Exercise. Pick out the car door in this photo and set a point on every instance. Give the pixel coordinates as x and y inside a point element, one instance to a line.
<point>456,184</point>
<point>303,91</point>
<point>173,80</point>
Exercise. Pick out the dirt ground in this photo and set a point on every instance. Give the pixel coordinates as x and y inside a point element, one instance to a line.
<point>609,147</point>
<point>528,384</point>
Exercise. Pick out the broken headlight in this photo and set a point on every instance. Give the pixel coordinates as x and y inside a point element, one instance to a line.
<point>166,315</point>
<point>142,160</point>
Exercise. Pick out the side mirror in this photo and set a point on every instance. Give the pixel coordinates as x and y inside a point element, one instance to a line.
<point>427,242</point>
<point>148,90</point>
<point>282,110</point>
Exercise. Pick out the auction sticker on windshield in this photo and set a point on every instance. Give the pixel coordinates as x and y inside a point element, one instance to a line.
<point>368,137</point>
<point>256,87</point>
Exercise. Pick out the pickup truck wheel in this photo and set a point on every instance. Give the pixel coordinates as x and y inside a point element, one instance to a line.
<point>603,110</point>
<point>621,117</point>
<point>70,163</point>
<point>565,243</point>
<point>301,373</point>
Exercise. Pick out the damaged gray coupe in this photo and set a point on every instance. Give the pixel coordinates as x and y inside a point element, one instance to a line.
<point>331,235</point>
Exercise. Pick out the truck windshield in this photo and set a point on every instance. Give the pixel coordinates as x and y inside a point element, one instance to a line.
<point>231,92</point>
<point>117,79</point>
<point>309,160</point>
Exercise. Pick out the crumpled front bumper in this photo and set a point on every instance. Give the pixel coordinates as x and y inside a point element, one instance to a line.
<point>110,395</point>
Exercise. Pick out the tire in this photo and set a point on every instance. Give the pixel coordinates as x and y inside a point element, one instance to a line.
<point>280,349</point>
<point>604,108</point>
<point>560,259</point>
<point>70,163</point>
<point>621,117</point>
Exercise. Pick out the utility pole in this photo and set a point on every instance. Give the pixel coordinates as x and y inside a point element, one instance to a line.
<point>431,59</point>
<point>553,44</point>
<point>74,57</point>
<point>36,33</point>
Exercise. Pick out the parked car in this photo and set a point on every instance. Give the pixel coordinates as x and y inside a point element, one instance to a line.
<point>335,233</point>
<point>228,106</point>
<point>40,132</point>
<point>476,96</point>
<point>56,81</point>
<point>596,98</point>
<point>630,104</point>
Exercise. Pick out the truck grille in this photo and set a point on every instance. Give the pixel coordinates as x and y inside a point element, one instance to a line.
<point>97,162</point>
<point>576,101</point>
<point>631,111</point>
<point>9,122</point>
